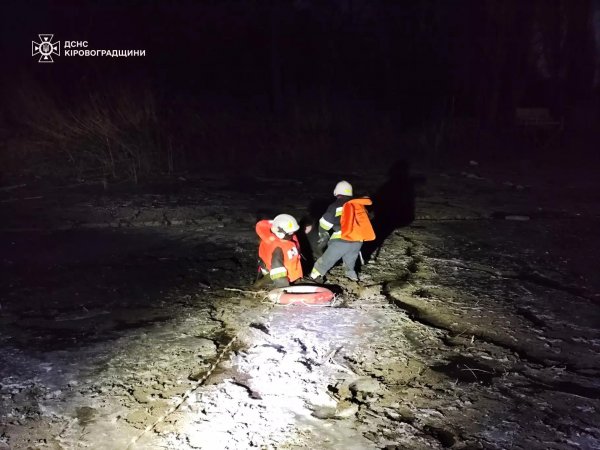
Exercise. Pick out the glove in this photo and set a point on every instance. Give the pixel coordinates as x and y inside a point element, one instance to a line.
<point>323,238</point>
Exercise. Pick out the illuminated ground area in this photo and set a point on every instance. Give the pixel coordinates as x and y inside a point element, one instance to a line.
<point>481,332</point>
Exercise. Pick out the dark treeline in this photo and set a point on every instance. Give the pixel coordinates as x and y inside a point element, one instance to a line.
<point>284,78</point>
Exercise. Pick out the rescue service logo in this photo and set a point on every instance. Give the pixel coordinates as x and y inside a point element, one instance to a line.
<point>45,48</point>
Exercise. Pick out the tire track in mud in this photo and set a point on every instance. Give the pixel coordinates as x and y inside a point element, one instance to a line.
<point>479,389</point>
<point>397,292</point>
<point>406,422</point>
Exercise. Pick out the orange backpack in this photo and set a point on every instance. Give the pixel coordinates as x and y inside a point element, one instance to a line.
<point>355,222</point>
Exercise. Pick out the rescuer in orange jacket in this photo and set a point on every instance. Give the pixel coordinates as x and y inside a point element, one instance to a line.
<point>344,242</point>
<point>279,251</point>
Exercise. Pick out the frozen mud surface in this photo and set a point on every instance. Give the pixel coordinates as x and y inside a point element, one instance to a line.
<point>127,320</point>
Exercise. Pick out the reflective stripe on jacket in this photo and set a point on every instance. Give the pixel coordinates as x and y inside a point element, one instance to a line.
<point>331,218</point>
<point>289,252</point>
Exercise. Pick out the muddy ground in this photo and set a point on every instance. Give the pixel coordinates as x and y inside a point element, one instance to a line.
<point>127,320</point>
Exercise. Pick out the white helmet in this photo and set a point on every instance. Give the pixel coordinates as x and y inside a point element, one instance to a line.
<point>343,188</point>
<point>284,224</point>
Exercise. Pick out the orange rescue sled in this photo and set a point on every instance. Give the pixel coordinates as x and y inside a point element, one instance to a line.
<point>302,294</point>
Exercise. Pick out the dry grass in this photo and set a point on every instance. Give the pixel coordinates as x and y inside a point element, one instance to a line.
<point>105,134</point>
<point>123,132</point>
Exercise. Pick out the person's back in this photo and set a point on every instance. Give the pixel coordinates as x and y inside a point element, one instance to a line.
<point>355,223</point>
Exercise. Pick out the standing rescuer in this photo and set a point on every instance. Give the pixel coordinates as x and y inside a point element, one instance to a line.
<point>279,251</point>
<point>348,221</point>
